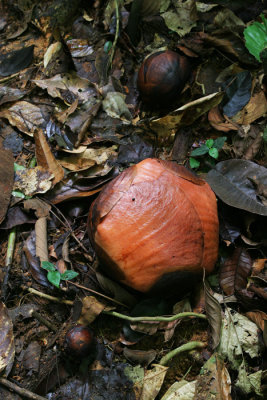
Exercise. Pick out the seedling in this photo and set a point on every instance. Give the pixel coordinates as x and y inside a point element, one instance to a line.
<point>54,276</point>
<point>210,147</point>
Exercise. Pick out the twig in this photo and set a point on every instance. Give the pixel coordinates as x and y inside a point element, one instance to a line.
<point>161,319</point>
<point>9,258</point>
<point>116,34</point>
<point>185,347</point>
<point>20,390</point>
<point>97,293</point>
<point>48,297</point>
<point>43,321</point>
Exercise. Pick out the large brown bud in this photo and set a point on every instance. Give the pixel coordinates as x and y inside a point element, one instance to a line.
<point>154,225</point>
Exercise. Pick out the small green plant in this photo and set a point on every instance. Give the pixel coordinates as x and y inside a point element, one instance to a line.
<point>54,276</point>
<point>210,147</point>
<point>256,38</point>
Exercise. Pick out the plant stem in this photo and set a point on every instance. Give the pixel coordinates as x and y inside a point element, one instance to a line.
<point>48,297</point>
<point>159,318</point>
<point>185,347</point>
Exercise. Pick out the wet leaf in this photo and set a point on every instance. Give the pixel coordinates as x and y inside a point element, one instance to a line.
<point>235,271</point>
<point>7,346</point>
<point>15,61</point>
<point>213,310</point>
<point>237,93</point>
<point>214,381</point>
<point>231,181</point>
<point>6,179</point>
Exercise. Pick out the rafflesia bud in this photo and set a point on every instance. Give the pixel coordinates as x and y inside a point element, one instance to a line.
<point>155,226</point>
<point>162,76</point>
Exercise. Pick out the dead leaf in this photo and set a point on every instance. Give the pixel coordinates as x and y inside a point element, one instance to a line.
<point>45,157</point>
<point>7,346</point>
<point>257,316</point>
<point>6,179</point>
<point>91,308</point>
<point>25,116</point>
<point>213,310</point>
<point>255,108</point>
<point>33,180</point>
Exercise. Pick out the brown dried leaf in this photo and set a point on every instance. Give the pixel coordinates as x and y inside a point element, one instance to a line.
<point>218,122</point>
<point>45,157</point>
<point>235,271</point>
<point>25,116</point>
<point>42,209</point>
<point>7,346</point>
<point>255,108</point>
<point>91,308</point>
<point>258,317</point>
<point>41,239</point>
<point>6,179</point>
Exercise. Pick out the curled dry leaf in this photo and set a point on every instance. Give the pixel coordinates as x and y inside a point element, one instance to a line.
<point>235,271</point>
<point>259,317</point>
<point>255,108</point>
<point>142,357</point>
<point>218,122</point>
<point>6,179</point>
<point>7,346</point>
<point>45,157</point>
<point>213,310</point>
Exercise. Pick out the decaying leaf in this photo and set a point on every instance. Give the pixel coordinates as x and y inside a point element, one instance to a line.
<point>141,357</point>
<point>214,381</point>
<point>115,107</point>
<point>184,19</point>
<point>239,335</point>
<point>7,346</point>
<point>257,316</point>
<point>33,180</point>
<point>6,179</point>
<point>249,383</point>
<point>182,390</point>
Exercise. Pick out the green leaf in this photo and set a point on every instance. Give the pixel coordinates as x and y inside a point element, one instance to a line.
<point>54,277</point>
<point>256,38</point>
<point>48,266</point>
<point>209,143</point>
<point>68,275</point>
<point>194,163</point>
<point>265,134</point>
<point>219,142</point>
<point>213,152</point>
<point>107,46</point>
<point>200,151</point>
<point>17,193</point>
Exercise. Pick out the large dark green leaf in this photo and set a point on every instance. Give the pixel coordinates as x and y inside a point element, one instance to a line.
<point>238,183</point>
